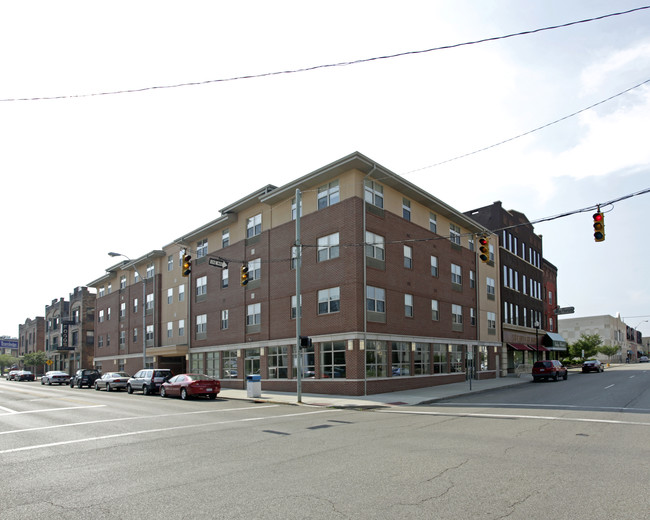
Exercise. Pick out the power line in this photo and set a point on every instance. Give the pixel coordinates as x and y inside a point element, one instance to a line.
<point>329,65</point>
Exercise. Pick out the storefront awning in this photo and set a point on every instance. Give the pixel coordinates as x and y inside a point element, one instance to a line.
<point>540,348</point>
<point>518,346</point>
<point>554,341</point>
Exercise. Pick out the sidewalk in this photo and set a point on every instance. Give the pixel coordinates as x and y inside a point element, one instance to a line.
<point>404,398</point>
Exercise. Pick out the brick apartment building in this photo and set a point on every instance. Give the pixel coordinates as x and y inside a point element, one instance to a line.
<point>393,295</point>
<point>31,336</point>
<point>528,287</point>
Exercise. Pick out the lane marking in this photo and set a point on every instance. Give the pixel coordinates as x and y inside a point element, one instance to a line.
<point>514,416</point>
<point>54,409</point>
<point>531,405</point>
<point>119,419</point>
<point>9,410</point>
<point>157,430</point>
<point>608,387</point>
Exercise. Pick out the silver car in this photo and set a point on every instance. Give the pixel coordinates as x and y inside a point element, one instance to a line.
<point>55,376</point>
<point>112,381</point>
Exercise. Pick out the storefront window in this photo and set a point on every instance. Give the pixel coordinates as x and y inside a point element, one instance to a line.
<point>252,361</point>
<point>278,362</point>
<point>376,358</point>
<point>400,358</point>
<point>230,364</point>
<point>212,364</point>
<point>456,358</point>
<point>307,361</point>
<point>440,358</point>
<point>332,355</point>
<point>422,359</point>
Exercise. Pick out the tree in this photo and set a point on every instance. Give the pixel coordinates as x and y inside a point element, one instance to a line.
<point>7,360</point>
<point>34,359</point>
<point>608,350</point>
<point>589,343</point>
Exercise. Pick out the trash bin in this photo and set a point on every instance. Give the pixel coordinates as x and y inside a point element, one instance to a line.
<point>254,385</point>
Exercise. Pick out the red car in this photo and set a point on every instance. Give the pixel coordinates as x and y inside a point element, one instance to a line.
<point>189,385</point>
<point>549,369</point>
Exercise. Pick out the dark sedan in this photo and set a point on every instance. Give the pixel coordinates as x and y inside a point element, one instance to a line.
<point>112,381</point>
<point>189,385</point>
<point>593,365</point>
<point>24,375</point>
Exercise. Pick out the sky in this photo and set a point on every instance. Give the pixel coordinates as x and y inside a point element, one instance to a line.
<point>84,174</point>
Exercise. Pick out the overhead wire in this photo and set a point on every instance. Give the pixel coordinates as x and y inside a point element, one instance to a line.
<point>328,65</point>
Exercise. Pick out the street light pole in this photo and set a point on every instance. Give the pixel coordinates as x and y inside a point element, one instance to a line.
<point>536,340</point>
<point>143,307</point>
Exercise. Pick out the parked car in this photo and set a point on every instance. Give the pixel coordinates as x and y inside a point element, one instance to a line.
<point>190,385</point>
<point>643,359</point>
<point>84,377</point>
<point>549,369</point>
<point>148,380</point>
<point>112,381</point>
<point>24,375</point>
<point>11,374</point>
<point>593,365</point>
<point>55,376</point>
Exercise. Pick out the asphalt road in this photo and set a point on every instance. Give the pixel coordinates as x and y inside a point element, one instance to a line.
<point>569,449</point>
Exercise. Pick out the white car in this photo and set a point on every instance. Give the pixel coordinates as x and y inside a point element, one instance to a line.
<point>55,376</point>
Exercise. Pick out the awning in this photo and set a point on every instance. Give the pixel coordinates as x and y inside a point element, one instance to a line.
<point>518,346</point>
<point>554,341</point>
<point>540,348</point>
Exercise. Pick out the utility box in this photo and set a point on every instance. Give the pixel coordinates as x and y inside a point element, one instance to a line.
<point>254,385</point>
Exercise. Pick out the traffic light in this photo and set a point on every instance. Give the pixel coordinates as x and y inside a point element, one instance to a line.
<point>599,226</point>
<point>484,249</point>
<point>244,275</point>
<point>187,265</point>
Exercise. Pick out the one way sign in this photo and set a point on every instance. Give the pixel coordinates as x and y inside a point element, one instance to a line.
<point>218,262</point>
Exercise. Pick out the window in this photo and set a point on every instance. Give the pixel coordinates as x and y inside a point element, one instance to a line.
<point>435,313</point>
<point>293,306</point>
<point>434,265</point>
<point>456,358</point>
<point>123,281</point>
<point>150,271</point>
<point>224,319</point>
<point>230,364</point>
<point>490,287</point>
<point>224,278</point>
<point>472,316</point>
<point>278,362</point>
<point>294,257</point>
<point>170,263</point>
<point>456,274</point>
<point>406,209</point>
<point>201,285</point>
<point>375,299</point>
<point>202,324</point>
<point>472,281</point>
<point>329,300</point>
<point>149,335</point>
<point>170,295</point>
<point>170,329</point>
<point>212,365</point>
<point>181,328</point>
<point>421,359</point>
<point>149,306</point>
<point>400,358</point>
<point>101,316</point>
<point>202,248</point>
<point>254,314</point>
<point>408,257</point>
<point>376,358</point>
<point>375,246</point>
<point>492,321</point>
<point>328,194</point>
<point>328,247</point>
<point>454,233</point>
<point>254,226</point>
<point>408,305</point>
<point>225,238</point>
<point>456,314</point>
<point>101,292</point>
<point>293,208</point>
<point>550,297</point>
<point>135,336</point>
<point>181,293</point>
<point>196,363</point>
<point>122,310</point>
<point>122,339</point>
<point>491,253</point>
<point>255,269</point>
<point>332,355</point>
<point>433,222</point>
<point>374,193</point>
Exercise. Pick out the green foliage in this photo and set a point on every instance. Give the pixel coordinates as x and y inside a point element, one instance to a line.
<point>590,343</point>
<point>7,360</point>
<point>34,359</point>
<point>608,350</point>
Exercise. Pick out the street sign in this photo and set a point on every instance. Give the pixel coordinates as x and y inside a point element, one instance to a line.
<point>565,310</point>
<point>218,262</point>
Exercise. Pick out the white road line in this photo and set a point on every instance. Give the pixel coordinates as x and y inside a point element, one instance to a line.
<point>156,430</point>
<point>120,419</point>
<point>512,416</point>
<point>608,387</point>
<point>54,409</point>
<point>9,410</point>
